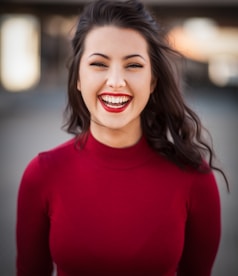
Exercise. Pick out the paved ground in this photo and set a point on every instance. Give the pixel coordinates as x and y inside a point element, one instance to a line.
<point>31,122</point>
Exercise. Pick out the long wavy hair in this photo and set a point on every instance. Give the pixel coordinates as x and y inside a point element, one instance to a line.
<point>171,128</point>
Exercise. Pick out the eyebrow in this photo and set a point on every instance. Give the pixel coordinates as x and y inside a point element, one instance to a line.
<point>125,58</point>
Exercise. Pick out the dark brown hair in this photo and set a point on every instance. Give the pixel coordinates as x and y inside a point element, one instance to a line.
<point>169,125</point>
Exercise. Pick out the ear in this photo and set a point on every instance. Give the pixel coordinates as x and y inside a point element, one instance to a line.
<point>78,85</point>
<point>153,84</point>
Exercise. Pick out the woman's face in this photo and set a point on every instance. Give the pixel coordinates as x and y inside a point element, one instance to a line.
<point>115,78</point>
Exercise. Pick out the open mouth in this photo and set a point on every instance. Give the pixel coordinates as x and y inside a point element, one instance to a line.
<point>115,103</point>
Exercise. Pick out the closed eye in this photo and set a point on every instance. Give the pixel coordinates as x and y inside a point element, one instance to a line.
<point>134,65</point>
<point>98,64</point>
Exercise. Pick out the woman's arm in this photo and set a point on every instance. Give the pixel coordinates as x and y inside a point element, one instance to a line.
<point>33,255</point>
<point>203,228</point>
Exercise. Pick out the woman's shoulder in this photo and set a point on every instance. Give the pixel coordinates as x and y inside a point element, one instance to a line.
<point>196,180</point>
<point>60,151</point>
<point>50,160</point>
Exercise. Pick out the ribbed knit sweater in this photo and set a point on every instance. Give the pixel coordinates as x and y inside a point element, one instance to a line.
<point>107,211</point>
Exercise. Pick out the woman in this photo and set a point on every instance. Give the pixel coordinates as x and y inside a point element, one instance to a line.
<point>131,193</point>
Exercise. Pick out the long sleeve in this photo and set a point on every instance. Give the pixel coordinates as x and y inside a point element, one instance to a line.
<point>203,228</point>
<point>33,256</point>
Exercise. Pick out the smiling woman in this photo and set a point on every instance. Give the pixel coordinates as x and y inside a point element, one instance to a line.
<point>133,192</point>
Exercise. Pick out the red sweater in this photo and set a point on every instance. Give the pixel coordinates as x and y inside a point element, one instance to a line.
<point>107,211</point>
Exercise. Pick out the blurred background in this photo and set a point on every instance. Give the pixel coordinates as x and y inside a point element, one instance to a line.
<point>34,50</point>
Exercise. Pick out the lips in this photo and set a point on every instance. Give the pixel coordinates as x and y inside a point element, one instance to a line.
<point>114,102</point>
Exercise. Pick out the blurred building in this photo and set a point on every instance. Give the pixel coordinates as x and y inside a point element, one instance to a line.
<point>39,32</point>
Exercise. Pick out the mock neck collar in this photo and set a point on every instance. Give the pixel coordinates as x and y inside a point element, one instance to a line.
<point>119,158</point>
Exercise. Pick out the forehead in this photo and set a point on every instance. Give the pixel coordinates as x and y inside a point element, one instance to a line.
<point>115,39</point>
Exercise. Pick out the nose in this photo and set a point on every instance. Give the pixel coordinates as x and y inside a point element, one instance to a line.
<point>115,78</point>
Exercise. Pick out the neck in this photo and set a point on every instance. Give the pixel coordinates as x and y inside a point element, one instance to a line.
<point>116,138</point>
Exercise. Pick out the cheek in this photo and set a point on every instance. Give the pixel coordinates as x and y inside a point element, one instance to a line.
<point>87,101</point>
<point>90,81</point>
<point>89,95</point>
<point>144,86</point>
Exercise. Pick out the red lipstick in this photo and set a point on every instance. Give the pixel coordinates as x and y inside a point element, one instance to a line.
<point>114,102</point>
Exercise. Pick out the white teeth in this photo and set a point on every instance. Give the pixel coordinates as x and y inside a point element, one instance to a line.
<point>115,99</point>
